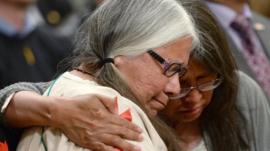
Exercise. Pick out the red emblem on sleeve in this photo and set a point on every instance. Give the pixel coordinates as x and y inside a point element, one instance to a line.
<point>125,115</point>
<point>3,146</point>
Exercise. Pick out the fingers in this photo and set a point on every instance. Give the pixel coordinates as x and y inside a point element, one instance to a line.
<point>98,146</point>
<point>119,142</point>
<point>117,120</point>
<point>107,102</point>
<point>99,140</point>
<point>114,124</point>
<point>122,132</point>
<point>106,130</point>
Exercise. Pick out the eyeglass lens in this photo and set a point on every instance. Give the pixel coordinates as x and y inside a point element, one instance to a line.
<point>206,86</point>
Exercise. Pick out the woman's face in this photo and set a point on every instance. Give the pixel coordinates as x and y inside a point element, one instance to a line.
<point>145,75</point>
<point>189,108</point>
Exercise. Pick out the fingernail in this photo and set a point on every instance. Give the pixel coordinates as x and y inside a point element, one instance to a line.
<point>138,129</point>
<point>140,138</point>
<point>137,148</point>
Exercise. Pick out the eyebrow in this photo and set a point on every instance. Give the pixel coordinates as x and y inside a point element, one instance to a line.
<point>156,56</point>
<point>169,60</point>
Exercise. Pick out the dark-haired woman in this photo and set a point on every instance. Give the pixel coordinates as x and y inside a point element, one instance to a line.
<point>218,107</point>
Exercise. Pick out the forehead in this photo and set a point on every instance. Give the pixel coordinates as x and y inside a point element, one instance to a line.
<point>178,50</point>
<point>197,68</point>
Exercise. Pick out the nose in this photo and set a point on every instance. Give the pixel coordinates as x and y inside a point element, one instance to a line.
<point>173,85</point>
<point>194,95</point>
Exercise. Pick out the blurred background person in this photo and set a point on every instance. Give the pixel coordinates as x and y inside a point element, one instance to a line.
<point>218,107</point>
<point>64,16</point>
<point>248,34</point>
<point>29,51</point>
<point>59,15</point>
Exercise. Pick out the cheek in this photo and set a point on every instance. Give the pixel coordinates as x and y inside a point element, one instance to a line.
<point>207,98</point>
<point>146,84</point>
<point>172,108</point>
<point>152,78</point>
<point>156,81</point>
<point>151,84</point>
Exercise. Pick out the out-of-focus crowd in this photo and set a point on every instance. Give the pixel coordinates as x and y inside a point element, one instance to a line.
<point>35,35</point>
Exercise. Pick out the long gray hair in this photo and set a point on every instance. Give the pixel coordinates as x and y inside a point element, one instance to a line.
<point>130,27</point>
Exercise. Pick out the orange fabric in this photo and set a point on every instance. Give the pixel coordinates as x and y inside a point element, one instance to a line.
<point>3,146</point>
<point>126,115</point>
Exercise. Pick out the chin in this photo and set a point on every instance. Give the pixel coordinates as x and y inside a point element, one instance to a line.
<point>153,113</point>
<point>188,119</point>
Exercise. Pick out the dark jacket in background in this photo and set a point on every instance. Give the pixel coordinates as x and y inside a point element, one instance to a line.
<point>31,58</point>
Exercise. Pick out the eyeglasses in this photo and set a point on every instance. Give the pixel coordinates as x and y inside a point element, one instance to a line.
<point>170,69</point>
<point>202,87</point>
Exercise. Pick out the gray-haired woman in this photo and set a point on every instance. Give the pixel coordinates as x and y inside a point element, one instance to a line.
<point>138,48</point>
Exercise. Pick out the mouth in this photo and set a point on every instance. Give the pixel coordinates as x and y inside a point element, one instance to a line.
<point>192,111</point>
<point>157,104</point>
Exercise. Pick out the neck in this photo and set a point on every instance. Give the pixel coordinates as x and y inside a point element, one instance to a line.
<point>13,13</point>
<point>189,134</point>
<point>82,73</point>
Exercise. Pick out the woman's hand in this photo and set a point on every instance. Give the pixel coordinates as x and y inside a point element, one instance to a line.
<point>89,121</point>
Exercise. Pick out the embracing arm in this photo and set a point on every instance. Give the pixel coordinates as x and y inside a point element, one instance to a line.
<point>255,107</point>
<point>6,94</point>
<point>28,108</point>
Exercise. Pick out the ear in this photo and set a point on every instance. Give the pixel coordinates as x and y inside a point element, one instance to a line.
<point>120,61</point>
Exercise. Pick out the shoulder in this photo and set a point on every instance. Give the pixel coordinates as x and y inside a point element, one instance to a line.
<point>246,82</point>
<point>68,84</point>
<point>254,107</point>
<point>71,85</point>
<point>250,94</point>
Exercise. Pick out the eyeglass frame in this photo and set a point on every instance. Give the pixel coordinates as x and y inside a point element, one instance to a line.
<point>182,69</point>
<point>216,84</point>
